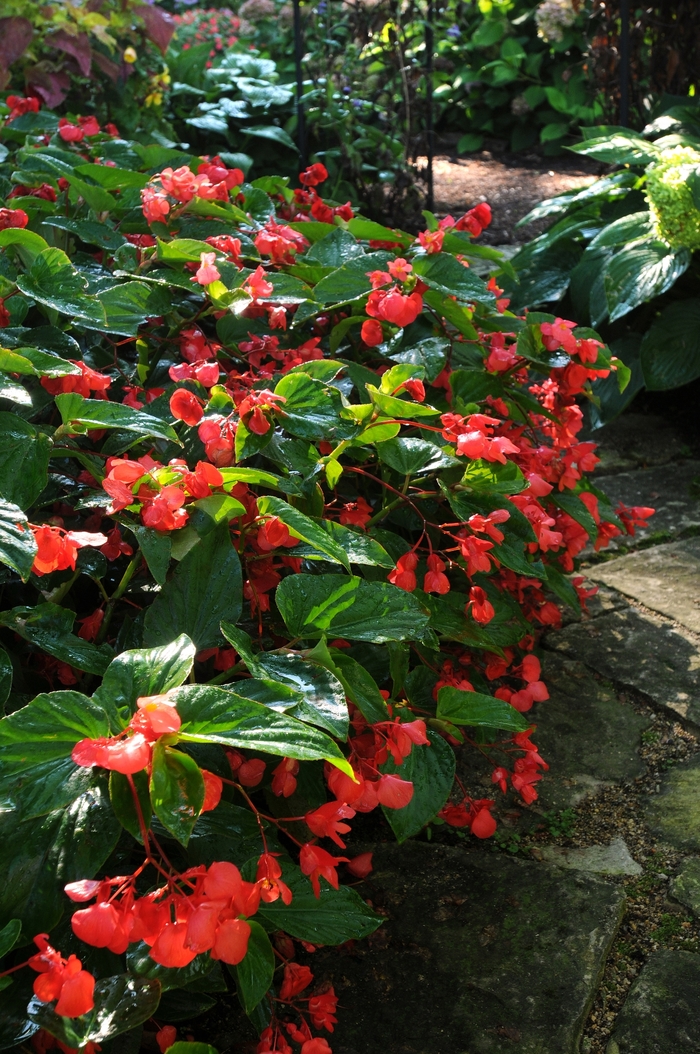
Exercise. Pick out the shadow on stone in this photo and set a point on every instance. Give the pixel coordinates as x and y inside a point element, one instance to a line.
<point>662,1011</point>
<point>480,953</point>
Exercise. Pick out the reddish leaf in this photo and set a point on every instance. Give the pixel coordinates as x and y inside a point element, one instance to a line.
<point>51,87</point>
<point>15,37</point>
<point>78,47</point>
<point>160,26</point>
<point>109,68</point>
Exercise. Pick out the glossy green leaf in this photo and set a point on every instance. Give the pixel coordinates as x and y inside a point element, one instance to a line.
<point>121,1003</point>
<point>473,708</point>
<point>360,686</point>
<point>441,271</point>
<point>24,460</point>
<point>335,249</point>
<point>48,626</point>
<point>6,675</point>
<point>323,694</point>
<point>349,607</point>
<point>670,352</point>
<point>430,353</point>
<point>432,772</point>
<point>359,546</point>
<point>338,915</point>
<point>129,305</point>
<point>229,832</point>
<point>9,935</point>
<point>640,272</point>
<point>350,281</point>
<point>254,975</point>
<point>139,962</point>
<point>97,413</point>
<point>37,774</point>
<point>53,281</point>
<point>401,408</point>
<point>122,799</point>
<point>145,671</point>
<point>205,588</point>
<point>43,854</point>
<point>177,790</point>
<point>622,148</point>
<point>214,715</point>
<point>311,409</point>
<point>304,528</point>
<point>15,1026</point>
<point>17,545</point>
<point>156,547</point>
<point>33,362</point>
<point>409,456</point>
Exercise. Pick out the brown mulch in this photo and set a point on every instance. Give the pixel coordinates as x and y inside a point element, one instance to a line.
<point>511,183</point>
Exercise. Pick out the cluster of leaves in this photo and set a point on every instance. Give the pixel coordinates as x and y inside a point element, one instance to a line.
<point>627,268</point>
<point>82,53</point>
<point>285,498</point>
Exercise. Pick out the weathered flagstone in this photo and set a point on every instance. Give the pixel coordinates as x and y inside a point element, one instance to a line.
<point>641,651</point>
<point>613,859</point>
<point>685,886</point>
<point>503,952</point>
<point>637,441</point>
<point>674,814</point>
<point>665,578</point>
<point>670,489</point>
<point>661,1014</point>
<point>588,737</point>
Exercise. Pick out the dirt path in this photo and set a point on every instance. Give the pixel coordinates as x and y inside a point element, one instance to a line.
<point>511,183</point>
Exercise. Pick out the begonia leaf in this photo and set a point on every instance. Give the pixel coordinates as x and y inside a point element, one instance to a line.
<point>409,456</point>
<point>139,962</point>
<point>255,973</point>
<point>215,715</point>
<point>24,460</point>
<point>53,281</point>
<point>350,281</point>
<point>311,409</point>
<point>444,273</point>
<point>360,686</point>
<point>44,853</point>
<point>431,770</point>
<point>17,545</point>
<point>6,675</point>
<point>323,696</point>
<point>229,832</point>
<point>96,413</point>
<point>304,528</point>
<point>205,588</point>
<point>177,790</point>
<point>37,774</point>
<point>121,1003</point>
<point>344,606</point>
<point>338,915</point>
<point>9,935</point>
<point>33,362</point>
<point>474,708</point>
<point>145,671</point>
<point>48,626</point>
<point>156,547</point>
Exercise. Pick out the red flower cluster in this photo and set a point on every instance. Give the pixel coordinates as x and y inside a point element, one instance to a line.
<point>57,548</point>
<point>61,979</point>
<point>131,751</point>
<point>162,490</point>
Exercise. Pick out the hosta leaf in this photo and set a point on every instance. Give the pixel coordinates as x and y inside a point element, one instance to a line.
<point>343,606</point>
<point>640,272</point>
<point>670,352</point>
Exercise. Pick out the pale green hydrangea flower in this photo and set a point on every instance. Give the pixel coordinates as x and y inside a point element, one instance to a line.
<point>674,215</point>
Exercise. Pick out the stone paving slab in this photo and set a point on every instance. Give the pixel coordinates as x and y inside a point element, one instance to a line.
<point>641,651</point>
<point>665,578</point>
<point>637,441</point>
<point>588,737</point>
<point>685,886</point>
<point>670,489</point>
<point>612,859</point>
<point>674,814</point>
<point>661,1014</point>
<point>507,953</point>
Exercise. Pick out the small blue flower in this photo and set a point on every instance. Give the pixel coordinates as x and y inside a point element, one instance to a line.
<point>453,32</point>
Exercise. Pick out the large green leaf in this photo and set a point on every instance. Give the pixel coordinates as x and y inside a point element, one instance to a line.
<point>145,671</point>
<point>215,715</point>
<point>621,148</point>
<point>177,790</point>
<point>130,304</point>
<point>443,272</point>
<point>254,975</point>
<point>6,675</point>
<point>156,547</point>
<point>432,772</point>
<point>303,527</point>
<point>24,460</point>
<point>360,686</point>
<point>338,915</point>
<point>121,1003</point>
<point>15,1026</point>
<point>323,694</point>
<point>229,832</point>
<point>640,272</point>
<point>408,456</point>
<point>344,606</point>
<point>89,414</point>
<point>17,545</point>
<point>473,708</point>
<point>48,626</point>
<point>350,281</point>
<point>41,855</point>
<point>54,282</point>
<point>205,589</point>
<point>312,409</point>
<point>670,352</point>
<point>33,362</point>
<point>37,774</point>
<point>359,547</point>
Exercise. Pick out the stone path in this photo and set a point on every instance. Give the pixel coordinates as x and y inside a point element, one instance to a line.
<point>577,929</point>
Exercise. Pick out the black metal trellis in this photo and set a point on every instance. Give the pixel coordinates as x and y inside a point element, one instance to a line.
<point>624,66</point>
<point>298,54</point>
<point>430,146</point>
